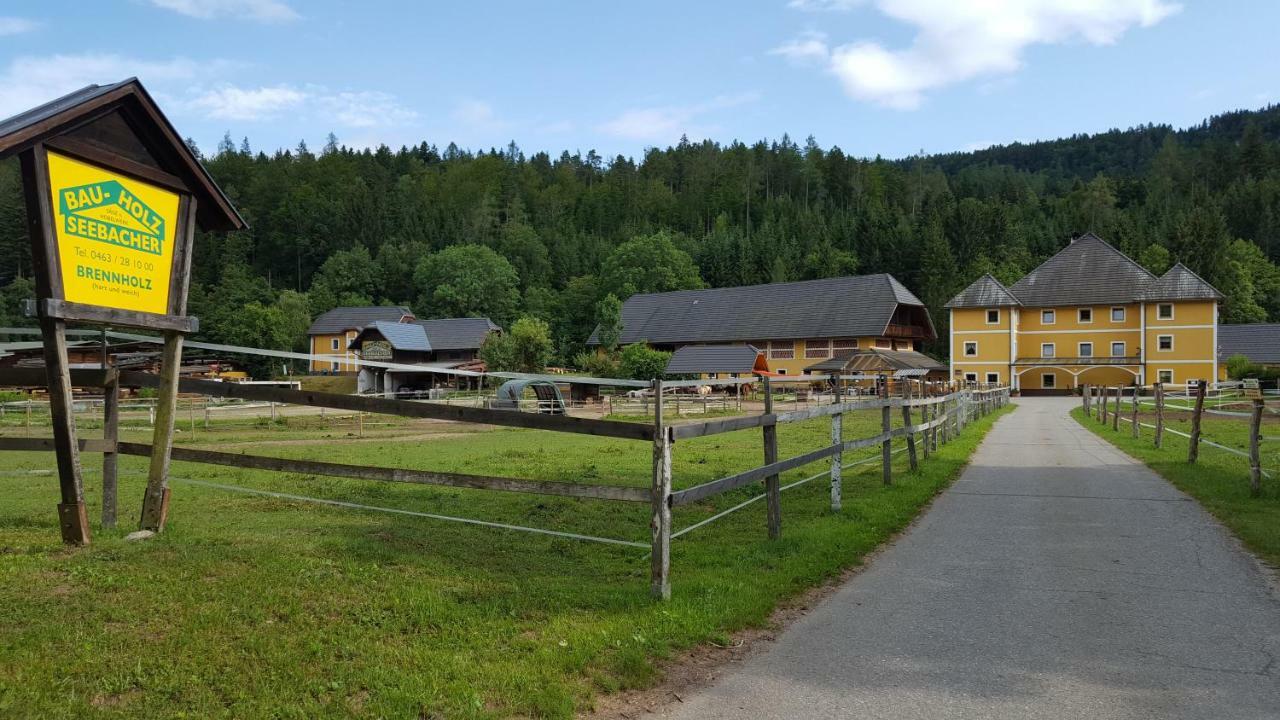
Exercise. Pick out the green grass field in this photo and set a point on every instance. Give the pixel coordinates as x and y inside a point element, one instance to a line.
<point>1218,480</point>
<point>252,606</point>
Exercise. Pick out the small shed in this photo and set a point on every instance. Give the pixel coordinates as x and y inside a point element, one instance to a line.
<point>714,360</point>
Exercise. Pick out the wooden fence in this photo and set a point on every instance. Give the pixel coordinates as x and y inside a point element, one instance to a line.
<point>1104,403</point>
<point>927,421</point>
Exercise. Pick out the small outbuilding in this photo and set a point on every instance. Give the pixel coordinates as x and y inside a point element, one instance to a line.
<point>1260,342</point>
<point>714,361</point>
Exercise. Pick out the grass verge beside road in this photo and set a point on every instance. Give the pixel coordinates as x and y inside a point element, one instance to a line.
<point>1218,480</point>
<point>254,606</point>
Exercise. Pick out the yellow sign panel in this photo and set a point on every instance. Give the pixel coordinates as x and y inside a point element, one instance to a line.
<point>115,236</point>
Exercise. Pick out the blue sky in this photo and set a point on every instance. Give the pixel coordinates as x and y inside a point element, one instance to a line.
<point>887,77</point>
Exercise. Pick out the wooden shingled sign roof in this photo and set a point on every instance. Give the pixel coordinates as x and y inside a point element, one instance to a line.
<point>123,121</point>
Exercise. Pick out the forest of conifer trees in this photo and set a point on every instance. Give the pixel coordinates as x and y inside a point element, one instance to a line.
<point>504,234</point>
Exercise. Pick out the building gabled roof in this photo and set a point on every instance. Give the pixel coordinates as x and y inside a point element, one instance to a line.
<point>1260,342</point>
<point>1089,271</point>
<point>122,117</point>
<point>875,360</point>
<point>409,337</point>
<point>833,307</point>
<point>457,333</point>
<point>985,292</point>
<point>1179,283</point>
<point>342,319</point>
<point>697,359</point>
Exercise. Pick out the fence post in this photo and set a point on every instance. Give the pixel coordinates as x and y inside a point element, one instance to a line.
<point>924,420</point>
<point>1084,398</point>
<point>1135,410</point>
<point>1115,416</point>
<point>1102,406</point>
<point>660,524</point>
<point>837,459</point>
<point>111,434</point>
<point>906,423</point>
<point>886,452</point>
<point>772,484</point>
<point>1159,414</point>
<point>155,504</point>
<point>1255,462</point>
<point>1193,450</point>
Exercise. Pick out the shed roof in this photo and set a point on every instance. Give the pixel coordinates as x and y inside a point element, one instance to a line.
<point>985,292</point>
<point>876,360</point>
<point>1179,283</point>
<point>457,333</point>
<point>122,117</point>
<point>1089,271</point>
<point>402,336</point>
<point>696,359</point>
<point>833,307</point>
<point>1260,342</point>
<point>341,319</point>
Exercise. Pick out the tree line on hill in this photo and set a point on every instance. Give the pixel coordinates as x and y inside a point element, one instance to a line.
<point>564,239</point>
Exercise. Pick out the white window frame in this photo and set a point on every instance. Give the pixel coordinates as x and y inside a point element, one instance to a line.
<point>993,378</point>
<point>1160,373</point>
<point>1159,338</point>
<point>997,320</point>
<point>971,377</point>
<point>781,371</point>
<point>1123,314</point>
<point>1123,348</point>
<point>1051,314</point>
<point>713,376</point>
<point>1080,315</point>
<point>970,344</point>
<point>1053,350</point>
<point>1080,349</point>
<point>333,344</point>
<point>1052,379</point>
<point>1159,311</point>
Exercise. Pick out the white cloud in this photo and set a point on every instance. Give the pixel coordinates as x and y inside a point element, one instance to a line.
<point>365,109</point>
<point>228,102</point>
<point>16,25</point>
<point>264,11</point>
<point>30,81</point>
<point>470,111</point>
<point>808,49</point>
<point>825,5</point>
<point>668,122</point>
<point>959,41</point>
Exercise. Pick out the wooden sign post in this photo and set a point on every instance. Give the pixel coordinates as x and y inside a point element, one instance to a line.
<point>113,198</point>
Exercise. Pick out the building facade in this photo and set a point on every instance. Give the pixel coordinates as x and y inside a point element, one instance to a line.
<point>1087,315</point>
<point>795,324</point>
<point>331,333</point>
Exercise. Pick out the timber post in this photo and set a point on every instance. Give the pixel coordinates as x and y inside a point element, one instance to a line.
<point>886,452</point>
<point>1103,391</point>
<point>1084,398</point>
<point>772,483</point>
<point>1159,433</point>
<point>660,497</point>
<point>906,425</point>
<point>1193,450</point>
<point>1135,411</point>
<point>1115,415</point>
<point>110,436</point>
<point>924,420</point>
<point>155,502</point>
<point>837,458</point>
<point>1255,462</point>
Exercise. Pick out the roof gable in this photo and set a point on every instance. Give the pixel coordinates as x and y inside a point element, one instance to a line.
<point>1088,271</point>
<point>1260,342</point>
<point>123,119</point>
<point>986,291</point>
<point>402,336</point>
<point>1179,283</point>
<point>457,333</point>
<point>342,319</point>
<point>832,307</point>
<point>694,359</point>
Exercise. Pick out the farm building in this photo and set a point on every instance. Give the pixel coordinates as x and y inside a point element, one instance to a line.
<point>434,346</point>
<point>886,363</point>
<point>716,361</point>
<point>793,323</point>
<point>1260,342</point>
<point>1089,314</point>
<point>332,332</point>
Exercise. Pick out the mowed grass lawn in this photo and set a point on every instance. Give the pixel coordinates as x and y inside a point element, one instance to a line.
<point>251,606</point>
<point>1218,480</point>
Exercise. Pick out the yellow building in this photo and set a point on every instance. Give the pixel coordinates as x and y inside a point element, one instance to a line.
<point>331,333</point>
<point>796,324</point>
<point>1087,315</point>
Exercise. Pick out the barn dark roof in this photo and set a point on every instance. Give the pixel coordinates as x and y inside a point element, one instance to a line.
<point>122,117</point>
<point>986,291</point>
<point>1087,272</point>
<point>875,360</point>
<point>696,359</point>
<point>402,336</point>
<point>1179,283</point>
<point>1260,342</point>
<point>833,307</point>
<point>457,333</point>
<point>341,319</point>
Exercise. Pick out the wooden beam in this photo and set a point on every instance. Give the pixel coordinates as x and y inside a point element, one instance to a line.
<point>772,480</point>
<point>660,499</point>
<point>155,502</point>
<point>29,444</point>
<point>110,459</point>
<point>405,408</point>
<point>87,151</point>
<point>747,477</point>
<point>37,377</point>
<point>118,318</point>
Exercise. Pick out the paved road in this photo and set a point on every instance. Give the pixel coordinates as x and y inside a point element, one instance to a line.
<point>1056,579</point>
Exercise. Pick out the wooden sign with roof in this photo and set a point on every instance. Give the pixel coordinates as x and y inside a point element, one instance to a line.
<point>113,199</point>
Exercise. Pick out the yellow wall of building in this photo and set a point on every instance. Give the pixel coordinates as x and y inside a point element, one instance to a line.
<point>323,345</point>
